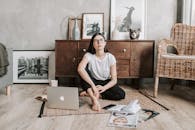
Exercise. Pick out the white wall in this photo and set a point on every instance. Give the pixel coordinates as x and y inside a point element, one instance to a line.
<point>193,13</point>
<point>187,11</point>
<point>36,24</point>
<point>161,17</point>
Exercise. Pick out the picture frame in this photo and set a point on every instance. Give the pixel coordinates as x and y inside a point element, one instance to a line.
<point>71,21</point>
<point>127,14</point>
<point>92,23</point>
<point>31,66</point>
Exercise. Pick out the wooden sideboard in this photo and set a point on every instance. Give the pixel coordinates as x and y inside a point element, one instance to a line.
<point>135,58</point>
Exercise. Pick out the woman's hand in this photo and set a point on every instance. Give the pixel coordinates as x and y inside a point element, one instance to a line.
<point>101,88</point>
<point>96,92</point>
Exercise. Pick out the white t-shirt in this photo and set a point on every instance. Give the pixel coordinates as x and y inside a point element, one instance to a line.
<point>100,68</point>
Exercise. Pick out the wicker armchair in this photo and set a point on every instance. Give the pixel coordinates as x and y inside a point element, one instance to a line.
<point>181,63</point>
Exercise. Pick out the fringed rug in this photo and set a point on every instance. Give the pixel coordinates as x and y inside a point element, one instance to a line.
<point>85,105</point>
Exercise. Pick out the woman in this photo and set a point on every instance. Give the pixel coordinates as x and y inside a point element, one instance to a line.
<point>98,72</point>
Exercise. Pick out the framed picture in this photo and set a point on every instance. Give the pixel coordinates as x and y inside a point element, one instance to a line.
<point>71,22</point>
<point>31,66</point>
<point>92,23</point>
<point>125,15</point>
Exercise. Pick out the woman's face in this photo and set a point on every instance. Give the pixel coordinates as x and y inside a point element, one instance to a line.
<point>99,43</point>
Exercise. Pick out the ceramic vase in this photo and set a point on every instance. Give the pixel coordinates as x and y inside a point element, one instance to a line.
<point>76,31</point>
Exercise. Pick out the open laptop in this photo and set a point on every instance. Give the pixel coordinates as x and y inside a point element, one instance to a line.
<point>63,97</point>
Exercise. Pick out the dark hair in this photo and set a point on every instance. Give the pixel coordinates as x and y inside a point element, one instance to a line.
<point>91,49</point>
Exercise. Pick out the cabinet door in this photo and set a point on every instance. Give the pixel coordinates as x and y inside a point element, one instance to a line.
<point>142,59</point>
<point>121,51</point>
<point>66,54</point>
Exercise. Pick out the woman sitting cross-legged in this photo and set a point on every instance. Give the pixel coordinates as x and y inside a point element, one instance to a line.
<point>98,73</point>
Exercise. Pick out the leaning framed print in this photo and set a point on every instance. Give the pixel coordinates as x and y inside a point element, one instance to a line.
<point>126,15</point>
<point>31,66</point>
<point>92,23</point>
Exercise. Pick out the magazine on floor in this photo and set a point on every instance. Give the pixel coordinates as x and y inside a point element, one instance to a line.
<point>128,115</point>
<point>124,115</point>
<point>119,119</point>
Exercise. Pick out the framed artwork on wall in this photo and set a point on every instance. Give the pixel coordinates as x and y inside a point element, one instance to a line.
<point>71,25</point>
<point>31,66</point>
<point>126,15</point>
<point>92,23</point>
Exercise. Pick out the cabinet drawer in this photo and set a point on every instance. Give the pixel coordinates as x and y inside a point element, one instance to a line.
<point>123,68</point>
<point>122,71</point>
<point>119,49</point>
<point>83,46</point>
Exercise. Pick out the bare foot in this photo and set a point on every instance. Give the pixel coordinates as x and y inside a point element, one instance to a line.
<point>96,106</point>
<point>83,93</point>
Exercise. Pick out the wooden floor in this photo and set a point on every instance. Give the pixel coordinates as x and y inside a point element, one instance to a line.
<point>19,112</point>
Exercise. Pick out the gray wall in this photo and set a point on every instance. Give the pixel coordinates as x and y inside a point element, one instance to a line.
<point>7,78</point>
<point>35,24</point>
<point>162,15</point>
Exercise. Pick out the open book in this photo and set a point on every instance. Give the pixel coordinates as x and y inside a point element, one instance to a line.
<point>41,98</point>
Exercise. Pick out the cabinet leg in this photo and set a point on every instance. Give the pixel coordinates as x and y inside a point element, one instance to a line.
<point>8,90</point>
<point>135,83</point>
<point>156,86</point>
<point>172,84</point>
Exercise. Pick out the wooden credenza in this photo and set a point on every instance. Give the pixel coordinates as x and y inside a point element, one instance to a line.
<point>135,58</point>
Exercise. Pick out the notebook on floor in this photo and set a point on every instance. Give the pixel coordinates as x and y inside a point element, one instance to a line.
<point>63,97</point>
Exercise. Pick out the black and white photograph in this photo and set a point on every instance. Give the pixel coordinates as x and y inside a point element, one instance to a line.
<point>127,15</point>
<point>30,66</point>
<point>92,23</point>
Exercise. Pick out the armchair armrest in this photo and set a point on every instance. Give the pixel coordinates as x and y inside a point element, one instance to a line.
<point>166,46</point>
<point>193,46</point>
